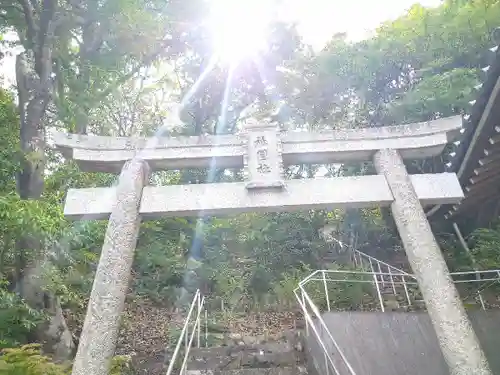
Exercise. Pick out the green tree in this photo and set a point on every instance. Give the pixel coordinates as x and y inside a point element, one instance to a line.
<point>74,55</point>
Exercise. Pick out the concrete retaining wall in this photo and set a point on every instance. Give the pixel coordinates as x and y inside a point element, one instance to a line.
<point>400,343</point>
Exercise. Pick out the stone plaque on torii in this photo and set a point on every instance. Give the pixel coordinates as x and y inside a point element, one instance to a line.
<point>263,151</point>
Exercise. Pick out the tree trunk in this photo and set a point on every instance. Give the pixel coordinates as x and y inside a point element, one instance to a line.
<point>33,87</point>
<point>54,334</point>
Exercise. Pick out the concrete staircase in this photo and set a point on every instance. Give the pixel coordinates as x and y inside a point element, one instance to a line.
<point>398,301</point>
<point>278,358</point>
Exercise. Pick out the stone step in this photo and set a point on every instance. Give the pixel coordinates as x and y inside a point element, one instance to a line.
<point>224,351</point>
<point>415,306</point>
<point>216,351</point>
<point>243,359</point>
<point>295,370</point>
<point>387,288</point>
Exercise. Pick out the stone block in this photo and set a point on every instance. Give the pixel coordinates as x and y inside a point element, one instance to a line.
<point>230,198</point>
<point>108,154</point>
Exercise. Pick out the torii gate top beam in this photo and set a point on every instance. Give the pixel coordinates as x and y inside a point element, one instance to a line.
<point>108,154</point>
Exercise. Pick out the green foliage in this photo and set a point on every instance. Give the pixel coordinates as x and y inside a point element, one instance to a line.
<point>160,268</point>
<point>70,273</point>
<point>456,257</point>
<point>28,360</point>
<point>251,256</point>
<point>421,65</point>
<point>41,218</point>
<point>9,143</point>
<point>444,94</point>
<point>121,366</point>
<point>486,245</point>
<point>161,259</point>
<point>284,289</point>
<point>17,319</point>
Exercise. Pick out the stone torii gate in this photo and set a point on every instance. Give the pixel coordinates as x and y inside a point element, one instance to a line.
<point>263,150</point>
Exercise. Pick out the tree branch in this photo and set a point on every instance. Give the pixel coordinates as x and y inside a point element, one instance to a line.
<point>43,59</point>
<point>30,21</point>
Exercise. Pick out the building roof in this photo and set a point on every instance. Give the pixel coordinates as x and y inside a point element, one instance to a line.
<point>475,156</point>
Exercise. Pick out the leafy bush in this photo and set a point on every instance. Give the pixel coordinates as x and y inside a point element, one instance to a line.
<point>9,142</point>
<point>17,319</point>
<point>121,365</point>
<point>159,269</point>
<point>486,244</point>
<point>28,360</point>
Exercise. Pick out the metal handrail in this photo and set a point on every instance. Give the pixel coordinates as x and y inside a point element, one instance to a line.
<point>400,271</point>
<point>465,273</point>
<point>365,273</point>
<point>490,277</point>
<point>405,280</point>
<point>379,263</point>
<point>329,361</point>
<point>186,336</point>
<point>325,276</point>
<point>321,272</point>
<point>394,270</point>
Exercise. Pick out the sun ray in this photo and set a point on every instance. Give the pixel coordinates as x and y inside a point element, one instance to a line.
<point>238,28</point>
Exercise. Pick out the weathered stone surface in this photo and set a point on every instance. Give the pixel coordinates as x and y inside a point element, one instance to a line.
<point>228,198</point>
<point>282,353</point>
<point>252,371</point>
<point>449,125</point>
<point>100,329</point>
<point>263,159</point>
<point>456,337</point>
<point>246,359</point>
<point>108,154</point>
<point>279,354</point>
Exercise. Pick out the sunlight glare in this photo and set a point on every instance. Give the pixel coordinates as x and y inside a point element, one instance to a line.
<point>239,28</point>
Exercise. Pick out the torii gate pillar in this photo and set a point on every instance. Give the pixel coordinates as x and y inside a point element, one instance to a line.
<point>456,337</point>
<point>106,303</point>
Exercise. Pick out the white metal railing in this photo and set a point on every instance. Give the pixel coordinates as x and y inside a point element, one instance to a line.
<point>485,279</point>
<point>365,261</point>
<point>396,283</point>
<point>387,273</point>
<point>382,273</point>
<point>317,325</point>
<point>393,283</point>
<point>187,337</point>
